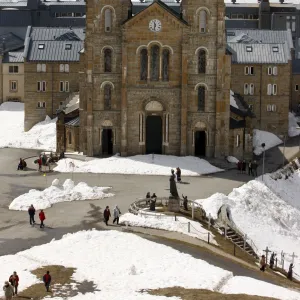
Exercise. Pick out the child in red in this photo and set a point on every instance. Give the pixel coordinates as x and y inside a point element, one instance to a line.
<point>42,218</point>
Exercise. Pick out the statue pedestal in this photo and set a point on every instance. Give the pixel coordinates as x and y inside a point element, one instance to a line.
<point>173,204</point>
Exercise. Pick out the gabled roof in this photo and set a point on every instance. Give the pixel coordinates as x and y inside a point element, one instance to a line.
<point>74,122</point>
<point>56,33</point>
<point>165,7</point>
<point>260,53</point>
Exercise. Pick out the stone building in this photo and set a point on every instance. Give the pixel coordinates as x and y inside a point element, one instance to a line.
<point>11,67</point>
<point>51,67</point>
<point>155,82</point>
<point>296,87</point>
<point>261,73</point>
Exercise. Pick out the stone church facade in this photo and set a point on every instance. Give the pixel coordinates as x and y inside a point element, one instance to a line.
<point>156,82</point>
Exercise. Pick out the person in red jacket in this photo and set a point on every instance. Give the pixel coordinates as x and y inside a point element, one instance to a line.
<point>47,280</point>
<point>14,280</point>
<point>106,215</point>
<point>42,218</point>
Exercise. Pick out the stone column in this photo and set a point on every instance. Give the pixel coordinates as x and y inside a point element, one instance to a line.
<point>124,102</point>
<point>184,94</point>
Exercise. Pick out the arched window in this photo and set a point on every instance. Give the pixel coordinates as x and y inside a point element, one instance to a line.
<point>107,20</point>
<point>107,96</point>
<point>201,98</point>
<point>165,65</point>
<point>203,21</point>
<point>155,63</point>
<point>144,64</point>
<point>201,61</point>
<point>107,60</point>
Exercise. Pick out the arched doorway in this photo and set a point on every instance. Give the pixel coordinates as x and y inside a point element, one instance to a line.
<point>200,140</point>
<point>107,138</point>
<point>200,143</point>
<point>154,135</point>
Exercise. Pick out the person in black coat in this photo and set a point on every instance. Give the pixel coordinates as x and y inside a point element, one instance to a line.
<point>31,212</point>
<point>178,174</point>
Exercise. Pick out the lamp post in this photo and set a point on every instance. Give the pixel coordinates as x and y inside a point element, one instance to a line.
<point>263,145</point>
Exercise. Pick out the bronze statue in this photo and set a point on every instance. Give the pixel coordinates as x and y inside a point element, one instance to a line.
<point>173,188</point>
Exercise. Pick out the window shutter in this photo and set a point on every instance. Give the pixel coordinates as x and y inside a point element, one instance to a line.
<point>61,68</point>
<point>246,70</point>
<point>273,107</point>
<point>67,68</point>
<point>269,92</point>
<point>268,107</point>
<point>251,89</point>
<point>203,21</point>
<point>238,140</point>
<point>43,68</point>
<point>274,70</point>
<point>39,68</point>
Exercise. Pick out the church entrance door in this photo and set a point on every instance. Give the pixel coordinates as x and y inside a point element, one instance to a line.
<point>200,143</point>
<point>107,142</point>
<point>154,135</point>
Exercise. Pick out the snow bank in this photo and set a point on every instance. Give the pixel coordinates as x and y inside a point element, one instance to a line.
<point>250,286</point>
<point>265,214</point>
<point>56,193</point>
<point>152,266</point>
<point>293,125</point>
<point>140,164</point>
<point>259,137</point>
<point>161,221</point>
<point>232,159</point>
<point>41,136</point>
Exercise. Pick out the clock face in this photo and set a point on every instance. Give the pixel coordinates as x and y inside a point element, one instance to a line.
<point>155,25</point>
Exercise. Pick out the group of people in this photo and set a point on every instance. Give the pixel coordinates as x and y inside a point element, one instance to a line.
<point>250,167</point>
<point>22,164</point>
<point>107,215</point>
<point>151,200</point>
<point>42,216</point>
<point>263,265</point>
<point>10,287</point>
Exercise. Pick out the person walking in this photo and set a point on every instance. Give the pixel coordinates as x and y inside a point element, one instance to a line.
<point>14,281</point>
<point>47,280</point>
<point>42,218</point>
<point>290,272</point>
<point>8,290</point>
<point>31,212</point>
<point>250,168</point>
<point>20,165</point>
<point>106,215</point>
<point>117,213</point>
<point>178,174</point>
<point>263,263</point>
<point>272,260</point>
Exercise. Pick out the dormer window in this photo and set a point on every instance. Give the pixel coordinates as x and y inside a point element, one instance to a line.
<point>249,48</point>
<point>68,46</point>
<point>41,46</point>
<point>275,49</point>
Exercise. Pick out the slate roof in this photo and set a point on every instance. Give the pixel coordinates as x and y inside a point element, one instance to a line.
<point>20,3</point>
<point>54,44</point>
<point>264,36</point>
<point>75,122</point>
<point>239,106</point>
<point>13,57</point>
<point>260,54</point>
<point>10,42</point>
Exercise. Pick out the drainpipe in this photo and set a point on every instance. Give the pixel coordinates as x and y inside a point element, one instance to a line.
<point>260,95</point>
<point>244,137</point>
<point>52,89</point>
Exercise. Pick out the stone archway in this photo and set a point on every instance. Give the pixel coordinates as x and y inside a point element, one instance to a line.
<point>154,106</point>
<point>200,139</point>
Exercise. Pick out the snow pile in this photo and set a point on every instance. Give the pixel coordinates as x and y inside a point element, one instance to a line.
<point>259,137</point>
<point>232,100</point>
<point>232,159</point>
<point>41,136</point>
<point>56,193</point>
<point>293,125</point>
<point>140,164</point>
<point>265,215</point>
<point>152,266</point>
<point>161,221</point>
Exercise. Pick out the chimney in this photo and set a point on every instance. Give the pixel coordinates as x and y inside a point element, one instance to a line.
<point>281,1</point>
<point>233,1</point>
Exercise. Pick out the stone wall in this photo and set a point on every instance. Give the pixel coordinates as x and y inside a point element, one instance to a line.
<point>295,91</point>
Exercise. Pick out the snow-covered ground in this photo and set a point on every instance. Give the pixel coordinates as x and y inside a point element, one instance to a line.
<point>161,221</point>
<point>259,137</point>
<point>58,192</point>
<point>139,164</point>
<point>268,212</point>
<point>123,264</point>
<point>41,136</point>
<point>232,159</point>
<point>294,128</point>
